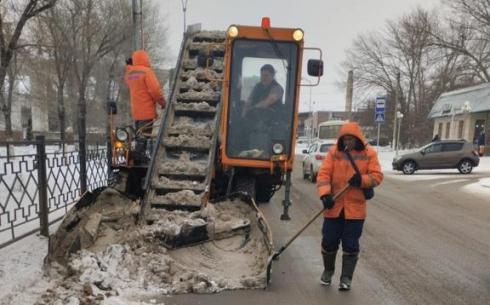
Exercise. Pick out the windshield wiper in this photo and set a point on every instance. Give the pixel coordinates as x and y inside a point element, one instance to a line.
<point>277,50</point>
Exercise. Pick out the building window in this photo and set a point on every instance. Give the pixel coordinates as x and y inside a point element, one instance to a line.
<point>460,129</point>
<point>448,130</point>
<point>439,130</point>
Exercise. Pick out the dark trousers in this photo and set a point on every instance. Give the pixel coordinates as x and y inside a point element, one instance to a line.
<point>140,149</point>
<point>339,229</point>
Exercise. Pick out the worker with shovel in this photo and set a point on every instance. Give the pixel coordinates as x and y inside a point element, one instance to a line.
<point>351,161</point>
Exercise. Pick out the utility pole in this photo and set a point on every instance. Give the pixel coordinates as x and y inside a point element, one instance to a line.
<point>184,11</point>
<point>137,25</point>
<point>397,97</point>
<point>349,93</point>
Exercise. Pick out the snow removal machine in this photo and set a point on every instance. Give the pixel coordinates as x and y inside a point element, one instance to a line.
<point>228,132</point>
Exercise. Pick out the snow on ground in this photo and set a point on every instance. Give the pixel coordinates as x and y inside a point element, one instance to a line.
<point>21,272</point>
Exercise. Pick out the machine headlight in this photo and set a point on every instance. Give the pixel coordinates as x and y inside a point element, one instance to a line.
<point>233,31</point>
<point>278,148</point>
<point>121,135</point>
<point>298,34</point>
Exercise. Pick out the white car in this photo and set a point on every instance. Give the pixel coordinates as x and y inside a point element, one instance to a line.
<point>314,157</point>
<point>301,144</point>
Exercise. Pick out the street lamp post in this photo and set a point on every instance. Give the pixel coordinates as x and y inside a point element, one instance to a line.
<point>399,117</point>
<point>137,25</point>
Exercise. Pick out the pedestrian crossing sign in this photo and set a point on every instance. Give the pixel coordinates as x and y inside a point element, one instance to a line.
<point>380,117</point>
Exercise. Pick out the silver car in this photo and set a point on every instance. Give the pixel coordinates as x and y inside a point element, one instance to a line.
<point>314,157</point>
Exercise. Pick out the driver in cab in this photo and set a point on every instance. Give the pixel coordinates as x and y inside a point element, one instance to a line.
<point>265,94</point>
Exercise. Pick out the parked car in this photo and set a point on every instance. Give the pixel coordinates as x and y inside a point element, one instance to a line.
<point>301,144</point>
<point>314,157</point>
<point>458,154</point>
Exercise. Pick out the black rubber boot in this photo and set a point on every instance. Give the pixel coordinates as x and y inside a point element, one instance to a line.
<point>329,267</point>
<point>349,261</point>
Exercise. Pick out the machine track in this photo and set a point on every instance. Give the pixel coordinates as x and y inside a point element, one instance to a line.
<point>181,169</point>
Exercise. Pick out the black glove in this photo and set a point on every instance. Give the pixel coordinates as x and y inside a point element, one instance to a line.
<point>355,180</point>
<point>327,201</point>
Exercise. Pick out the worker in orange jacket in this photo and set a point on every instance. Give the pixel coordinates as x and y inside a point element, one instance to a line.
<point>145,93</point>
<point>344,217</point>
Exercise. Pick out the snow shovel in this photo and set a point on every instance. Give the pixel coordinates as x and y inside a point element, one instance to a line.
<point>276,255</point>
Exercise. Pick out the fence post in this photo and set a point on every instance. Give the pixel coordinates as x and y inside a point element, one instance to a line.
<point>43,185</point>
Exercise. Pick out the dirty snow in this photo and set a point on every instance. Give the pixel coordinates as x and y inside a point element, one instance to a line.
<point>202,106</point>
<point>186,125</point>
<point>210,36</point>
<point>207,47</point>
<point>164,182</point>
<point>199,96</point>
<point>183,198</point>
<point>182,167</point>
<point>140,269</point>
<point>202,75</point>
<point>183,140</point>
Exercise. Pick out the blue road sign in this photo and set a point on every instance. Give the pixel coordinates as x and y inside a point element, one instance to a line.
<point>379,116</point>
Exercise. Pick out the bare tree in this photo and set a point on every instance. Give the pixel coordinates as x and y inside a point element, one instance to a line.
<point>405,46</point>
<point>10,33</point>
<point>49,32</point>
<point>467,32</point>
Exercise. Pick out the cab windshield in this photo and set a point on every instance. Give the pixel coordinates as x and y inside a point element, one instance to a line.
<point>262,90</point>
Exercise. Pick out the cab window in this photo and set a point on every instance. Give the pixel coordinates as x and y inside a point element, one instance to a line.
<point>261,91</point>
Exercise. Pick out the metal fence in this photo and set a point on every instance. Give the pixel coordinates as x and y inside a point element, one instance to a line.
<point>40,181</point>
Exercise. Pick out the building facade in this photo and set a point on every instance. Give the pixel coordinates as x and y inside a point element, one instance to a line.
<point>463,114</point>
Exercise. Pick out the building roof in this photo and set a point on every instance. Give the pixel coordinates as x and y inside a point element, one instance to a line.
<point>476,97</point>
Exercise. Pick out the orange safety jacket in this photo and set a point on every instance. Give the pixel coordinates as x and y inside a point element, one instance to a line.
<point>336,171</point>
<point>144,87</point>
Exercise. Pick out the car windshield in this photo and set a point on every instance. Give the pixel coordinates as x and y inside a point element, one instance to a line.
<point>424,147</point>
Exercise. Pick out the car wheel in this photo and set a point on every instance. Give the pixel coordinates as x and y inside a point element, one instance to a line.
<point>312,175</point>
<point>305,175</point>
<point>465,167</point>
<point>408,167</point>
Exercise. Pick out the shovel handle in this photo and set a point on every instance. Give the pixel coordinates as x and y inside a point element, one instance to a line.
<point>335,197</point>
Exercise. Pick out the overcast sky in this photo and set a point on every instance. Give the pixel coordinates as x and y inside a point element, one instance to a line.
<point>328,24</point>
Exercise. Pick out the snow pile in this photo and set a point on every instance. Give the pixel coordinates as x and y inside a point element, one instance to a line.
<point>140,267</point>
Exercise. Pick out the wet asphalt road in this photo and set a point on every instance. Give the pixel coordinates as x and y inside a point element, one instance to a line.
<point>425,241</point>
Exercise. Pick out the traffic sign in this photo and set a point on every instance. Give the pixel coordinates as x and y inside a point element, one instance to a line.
<point>380,104</point>
<point>379,116</point>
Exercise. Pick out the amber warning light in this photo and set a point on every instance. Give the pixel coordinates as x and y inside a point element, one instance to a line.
<point>266,22</point>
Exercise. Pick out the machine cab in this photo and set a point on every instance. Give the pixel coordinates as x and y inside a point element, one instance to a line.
<point>261,89</point>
